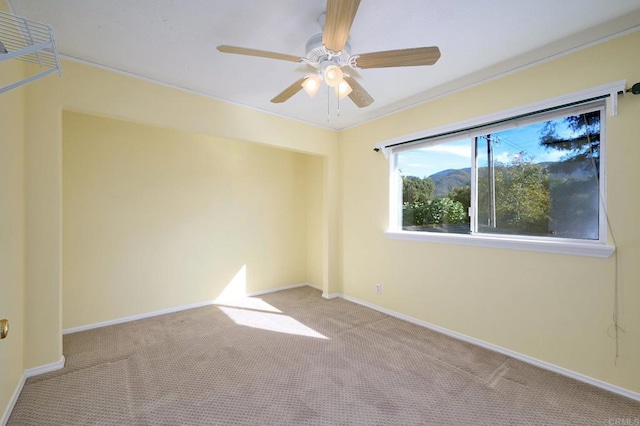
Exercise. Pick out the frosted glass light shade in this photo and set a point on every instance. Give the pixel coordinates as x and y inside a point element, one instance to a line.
<point>333,75</point>
<point>311,85</point>
<point>343,89</point>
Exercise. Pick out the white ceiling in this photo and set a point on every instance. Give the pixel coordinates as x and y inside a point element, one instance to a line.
<point>174,42</point>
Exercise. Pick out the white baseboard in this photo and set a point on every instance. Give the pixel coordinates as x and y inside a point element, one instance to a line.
<point>136,317</point>
<point>275,290</point>
<point>12,401</point>
<point>30,372</point>
<point>174,309</point>
<point>331,295</point>
<point>516,355</point>
<point>314,286</point>
<point>35,371</point>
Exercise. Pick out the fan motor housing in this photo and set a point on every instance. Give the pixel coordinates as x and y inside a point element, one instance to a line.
<point>317,53</point>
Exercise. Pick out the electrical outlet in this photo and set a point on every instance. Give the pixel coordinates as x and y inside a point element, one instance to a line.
<point>379,288</point>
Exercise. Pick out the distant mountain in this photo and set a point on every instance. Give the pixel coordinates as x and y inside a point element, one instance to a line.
<point>448,179</point>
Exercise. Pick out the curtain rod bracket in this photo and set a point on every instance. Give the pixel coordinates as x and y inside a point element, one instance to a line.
<point>635,89</point>
<point>613,99</point>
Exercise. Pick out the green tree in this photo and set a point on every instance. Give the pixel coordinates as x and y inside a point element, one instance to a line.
<point>417,190</point>
<point>463,196</point>
<point>413,214</point>
<point>582,143</point>
<point>524,198</point>
<point>441,211</point>
<point>521,199</point>
<point>444,211</point>
<point>574,180</point>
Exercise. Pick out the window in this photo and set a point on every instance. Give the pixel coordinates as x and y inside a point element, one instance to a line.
<point>536,178</point>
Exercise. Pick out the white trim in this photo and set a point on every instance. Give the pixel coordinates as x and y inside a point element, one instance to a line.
<point>172,310</point>
<point>330,296</point>
<point>487,75</point>
<point>274,290</point>
<point>613,104</point>
<point>12,401</point>
<point>446,89</point>
<point>47,368</point>
<point>29,372</point>
<point>594,92</point>
<point>603,213</point>
<point>473,207</point>
<point>395,194</point>
<point>544,245</point>
<point>516,355</point>
<point>75,59</point>
<point>136,317</point>
<point>494,72</point>
<point>314,286</point>
<point>481,125</point>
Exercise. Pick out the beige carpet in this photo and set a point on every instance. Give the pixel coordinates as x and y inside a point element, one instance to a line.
<point>294,358</point>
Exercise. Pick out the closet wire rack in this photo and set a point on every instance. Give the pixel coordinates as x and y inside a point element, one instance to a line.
<point>29,41</point>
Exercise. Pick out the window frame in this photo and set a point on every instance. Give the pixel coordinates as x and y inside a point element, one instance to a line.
<point>583,101</point>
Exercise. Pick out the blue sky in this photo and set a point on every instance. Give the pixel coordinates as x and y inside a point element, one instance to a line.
<point>425,162</point>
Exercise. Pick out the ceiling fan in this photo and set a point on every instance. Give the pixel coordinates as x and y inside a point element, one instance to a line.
<point>330,51</point>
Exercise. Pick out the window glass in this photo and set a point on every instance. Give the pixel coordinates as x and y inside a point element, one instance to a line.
<point>436,187</point>
<point>540,179</point>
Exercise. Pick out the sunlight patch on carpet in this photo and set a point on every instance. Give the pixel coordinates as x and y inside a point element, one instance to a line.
<point>270,321</point>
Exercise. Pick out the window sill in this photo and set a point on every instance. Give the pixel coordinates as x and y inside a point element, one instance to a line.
<point>576,248</point>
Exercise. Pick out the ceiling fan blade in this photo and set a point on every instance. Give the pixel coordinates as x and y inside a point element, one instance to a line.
<point>289,92</point>
<point>399,58</point>
<point>339,17</point>
<point>260,53</point>
<point>359,96</point>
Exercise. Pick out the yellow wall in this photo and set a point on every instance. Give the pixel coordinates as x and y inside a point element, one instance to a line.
<point>315,173</point>
<point>156,218</point>
<point>551,307</point>
<point>12,230</point>
<point>556,308</point>
<point>103,93</point>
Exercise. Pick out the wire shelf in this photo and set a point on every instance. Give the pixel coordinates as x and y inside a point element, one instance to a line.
<point>29,41</point>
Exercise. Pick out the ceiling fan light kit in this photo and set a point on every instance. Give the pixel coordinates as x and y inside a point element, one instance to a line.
<point>343,89</point>
<point>330,51</point>
<point>332,75</point>
<point>312,84</point>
